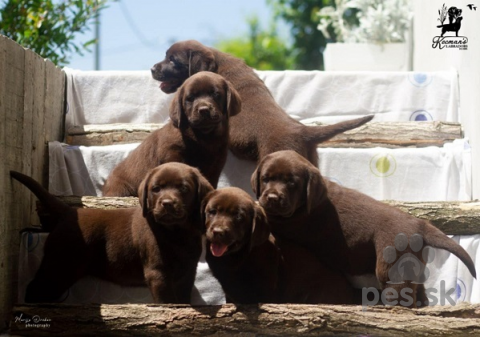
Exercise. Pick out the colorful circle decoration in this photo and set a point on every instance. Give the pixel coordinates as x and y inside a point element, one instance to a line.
<point>420,79</point>
<point>460,290</point>
<point>421,116</point>
<point>383,165</point>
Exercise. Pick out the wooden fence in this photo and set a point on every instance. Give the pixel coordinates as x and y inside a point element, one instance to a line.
<point>32,92</point>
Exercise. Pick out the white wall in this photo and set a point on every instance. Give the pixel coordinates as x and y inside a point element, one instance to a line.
<point>466,62</point>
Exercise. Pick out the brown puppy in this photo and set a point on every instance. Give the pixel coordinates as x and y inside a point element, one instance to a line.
<point>157,244</point>
<point>262,127</point>
<point>345,228</point>
<point>253,267</point>
<point>197,135</point>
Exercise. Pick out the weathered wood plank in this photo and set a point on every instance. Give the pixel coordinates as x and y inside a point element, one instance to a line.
<point>251,320</point>
<point>385,134</point>
<point>33,117</point>
<point>5,296</point>
<point>398,134</point>
<point>23,148</point>
<point>453,218</point>
<point>13,70</point>
<point>110,134</point>
<point>54,102</point>
<point>456,218</point>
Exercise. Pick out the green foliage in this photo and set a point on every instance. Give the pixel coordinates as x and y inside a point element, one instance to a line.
<point>308,41</point>
<point>261,49</point>
<point>48,27</point>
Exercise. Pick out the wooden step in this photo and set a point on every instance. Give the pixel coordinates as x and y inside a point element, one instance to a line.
<point>245,320</point>
<point>384,134</point>
<point>453,218</point>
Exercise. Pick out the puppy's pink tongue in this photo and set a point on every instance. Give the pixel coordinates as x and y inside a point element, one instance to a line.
<point>218,249</point>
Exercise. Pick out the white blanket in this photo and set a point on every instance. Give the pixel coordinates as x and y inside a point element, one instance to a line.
<point>105,97</point>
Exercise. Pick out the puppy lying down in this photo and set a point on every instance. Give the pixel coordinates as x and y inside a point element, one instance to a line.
<point>347,230</point>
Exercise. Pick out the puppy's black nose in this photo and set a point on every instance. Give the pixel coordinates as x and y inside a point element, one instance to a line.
<point>218,232</point>
<point>203,110</point>
<point>168,203</point>
<point>272,197</point>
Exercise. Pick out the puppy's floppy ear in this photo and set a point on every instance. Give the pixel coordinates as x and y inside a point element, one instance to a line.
<point>203,205</point>
<point>316,189</point>
<point>177,110</point>
<point>234,103</point>
<point>260,227</point>
<point>201,60</point>
<point>143,194</point>
<point>255,180</point>
<point>203,186</point>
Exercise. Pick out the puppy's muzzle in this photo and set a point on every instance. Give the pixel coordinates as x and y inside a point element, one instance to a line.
<point>275,203</point>
<point>220,240</point>
<point>168,210</point>
<point>272,200</point>
<point>206,118</point>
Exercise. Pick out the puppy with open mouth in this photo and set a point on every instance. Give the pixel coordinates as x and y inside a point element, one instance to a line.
<point>253,267</point>
<point>263,126</point>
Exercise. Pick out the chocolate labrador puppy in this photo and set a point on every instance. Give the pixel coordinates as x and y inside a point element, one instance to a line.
<point>157,244</point>
<point>197,135</point>
<point>253,267</point>
<point>262,127</point>
<point>346,229</point>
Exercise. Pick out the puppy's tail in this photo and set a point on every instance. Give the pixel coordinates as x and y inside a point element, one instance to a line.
<point>321,133</point>
<point>437,239</point>
<point>52,203</point>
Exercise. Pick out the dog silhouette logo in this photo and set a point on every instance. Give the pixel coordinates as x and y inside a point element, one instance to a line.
<point>404,257</point>
<point>454,19</point>
<point>450,19</point>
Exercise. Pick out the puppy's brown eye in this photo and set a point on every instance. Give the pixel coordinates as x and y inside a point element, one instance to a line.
<point>184,189</point>
<point>212,212</point>
<point>239,217</point>
<point>291,183</point>
<point>215,94</point>
<point>190,98</point>
<point>156,189</point>
<point>265,180</point>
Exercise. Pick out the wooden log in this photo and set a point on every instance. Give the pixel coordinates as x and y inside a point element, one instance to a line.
<point>251,320</point>
<point>453,218</point>
<point>398,134</point>
<point>110,134</point>
<point>385,134</point>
